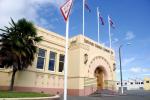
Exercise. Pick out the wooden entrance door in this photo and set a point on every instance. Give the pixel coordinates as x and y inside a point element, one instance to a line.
<point>100,78</point>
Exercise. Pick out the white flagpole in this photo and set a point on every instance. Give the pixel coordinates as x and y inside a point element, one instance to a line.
<point>98,23</point>
<point>109,31</point>
<point>83,16</point>
<point>66,60</point>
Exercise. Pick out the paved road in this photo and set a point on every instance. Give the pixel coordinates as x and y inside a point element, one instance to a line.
<point>110,98</point>
<point>130,95</point>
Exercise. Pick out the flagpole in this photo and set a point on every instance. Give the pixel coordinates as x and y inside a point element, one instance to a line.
<point>66,60</point>
<point>98,23</point>
<point>109,31</point>
<point>83,16</point>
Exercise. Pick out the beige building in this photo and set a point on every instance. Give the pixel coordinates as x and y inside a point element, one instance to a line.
<point>146,83</point>
<point>91,66</point>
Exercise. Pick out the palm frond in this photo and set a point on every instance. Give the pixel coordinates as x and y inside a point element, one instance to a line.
<point>18,44</point>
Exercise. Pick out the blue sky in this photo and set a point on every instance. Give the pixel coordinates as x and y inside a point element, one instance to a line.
<point>131,18</point>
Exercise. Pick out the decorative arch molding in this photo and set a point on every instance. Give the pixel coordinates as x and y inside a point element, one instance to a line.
<point>100,61</point>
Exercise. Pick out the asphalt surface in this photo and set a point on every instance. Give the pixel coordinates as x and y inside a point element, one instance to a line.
<point>128,95</point>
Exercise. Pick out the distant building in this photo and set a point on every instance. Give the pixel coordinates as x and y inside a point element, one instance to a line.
<point>131,84</point>
<point>91,66</point>
<point>146,83</point>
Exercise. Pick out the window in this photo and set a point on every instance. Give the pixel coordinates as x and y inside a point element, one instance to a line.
<point>125,83</point>
<point>147,81</point>
<point>41,58</point>
<point>61,62</point>
<point>52,61</point>
<point>141,82</point>
<point>117,83</point>
<point>131,83</point>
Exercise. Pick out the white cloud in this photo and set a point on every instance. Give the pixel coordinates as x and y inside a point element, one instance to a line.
<point>43,23</point>
<point>139,70</point>
<point>129,35</point>
<point>57,3</point>
<point>128,61</point>
<point>23,8</point>
<point>118,71</point>
<point>148,74</point>
<point>115,40</point>
<point>136,69</point>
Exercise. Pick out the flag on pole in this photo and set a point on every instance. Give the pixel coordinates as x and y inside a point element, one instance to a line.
<point>86,6</point>
<point>101,19</point>
<point>111,22</point>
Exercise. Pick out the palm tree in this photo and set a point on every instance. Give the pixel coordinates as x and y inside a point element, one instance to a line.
<point>18,46</point>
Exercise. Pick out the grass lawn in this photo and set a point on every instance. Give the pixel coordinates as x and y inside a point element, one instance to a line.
<point>13,94</point>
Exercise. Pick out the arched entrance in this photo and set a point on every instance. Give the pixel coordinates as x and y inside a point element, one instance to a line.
<point>100,71</point>
<point>99,74</point>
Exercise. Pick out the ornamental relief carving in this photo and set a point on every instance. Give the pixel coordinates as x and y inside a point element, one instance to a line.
<point>99,61</point>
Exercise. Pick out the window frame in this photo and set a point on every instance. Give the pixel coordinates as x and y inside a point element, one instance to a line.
<point>61,62</point>
<point>42,58</point>
<point>55,60</point>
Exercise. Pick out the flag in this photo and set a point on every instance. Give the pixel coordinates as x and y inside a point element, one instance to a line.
<point>111,22</point>
<point>101,19</point>
<point>86,6</point>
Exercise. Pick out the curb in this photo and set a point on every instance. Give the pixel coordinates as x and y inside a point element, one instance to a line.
<point>56,97</point>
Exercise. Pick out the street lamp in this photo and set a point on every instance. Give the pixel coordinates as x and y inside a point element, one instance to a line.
<point>121,65</point>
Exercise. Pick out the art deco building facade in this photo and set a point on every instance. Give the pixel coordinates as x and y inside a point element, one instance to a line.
<point>91,66</point>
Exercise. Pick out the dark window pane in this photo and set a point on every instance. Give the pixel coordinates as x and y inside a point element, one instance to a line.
<point>40,63</point>
<point>141,82</point>
<point>52,61</point>
<point>61,58</point>
<point>61,66</point>
<point>41,58</point>
<point>41,52</point>
<point>52,55</point>
<point>147,81</point>
<point>61,62</point>
<point>51,65</point>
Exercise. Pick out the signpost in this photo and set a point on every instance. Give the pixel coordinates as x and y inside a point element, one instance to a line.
<point>65,10</point>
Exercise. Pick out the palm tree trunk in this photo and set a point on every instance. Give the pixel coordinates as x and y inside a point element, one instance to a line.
<point>12,79</point>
